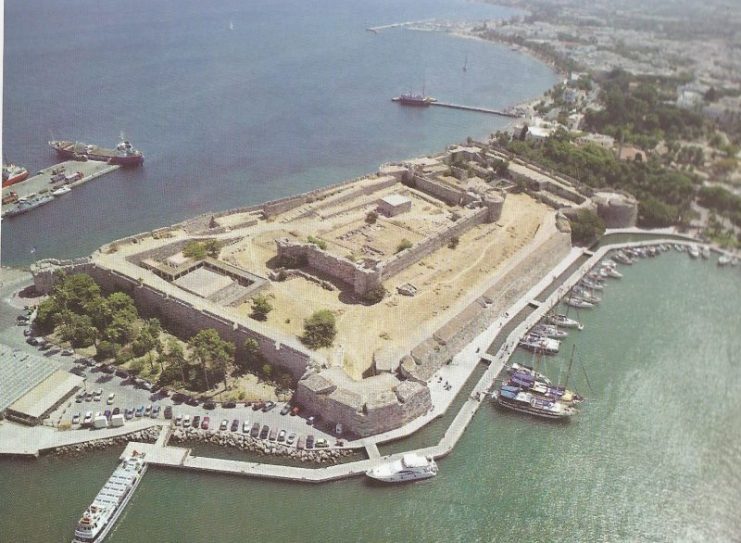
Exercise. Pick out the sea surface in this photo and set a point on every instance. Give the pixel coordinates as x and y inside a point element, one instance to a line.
<point>233,102</point>
<point>654,455</point>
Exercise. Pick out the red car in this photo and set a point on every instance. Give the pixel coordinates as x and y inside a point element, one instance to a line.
<point>204,424</point>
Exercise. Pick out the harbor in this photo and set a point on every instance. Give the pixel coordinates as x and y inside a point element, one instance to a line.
<point>163,455</point>
<point>65,175</point>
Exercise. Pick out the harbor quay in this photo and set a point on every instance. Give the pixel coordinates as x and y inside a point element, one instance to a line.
<point>177,457</point>
<point>70,173</point>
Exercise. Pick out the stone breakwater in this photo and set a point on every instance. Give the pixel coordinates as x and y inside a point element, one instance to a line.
<point>149,435</point>
<point>258,446</point>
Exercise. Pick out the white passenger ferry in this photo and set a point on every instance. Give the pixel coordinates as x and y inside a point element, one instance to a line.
<point>101,515</point>
<point>409,467</point>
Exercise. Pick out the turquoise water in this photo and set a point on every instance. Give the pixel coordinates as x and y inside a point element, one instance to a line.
<point>654,455</point>
<point>295,97</point>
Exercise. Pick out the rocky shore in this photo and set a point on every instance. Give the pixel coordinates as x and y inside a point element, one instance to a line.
<point>148,435</point>
<point>258,446</point>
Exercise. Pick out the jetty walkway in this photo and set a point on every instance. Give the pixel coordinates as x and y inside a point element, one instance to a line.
<point>476,109</point>
<point>176,457</point>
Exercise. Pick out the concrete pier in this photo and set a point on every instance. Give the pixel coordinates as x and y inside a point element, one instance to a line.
<point>41,182</point>
<point>476,109</point>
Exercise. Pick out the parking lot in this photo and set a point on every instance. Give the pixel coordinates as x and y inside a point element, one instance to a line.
<point>128,395</point>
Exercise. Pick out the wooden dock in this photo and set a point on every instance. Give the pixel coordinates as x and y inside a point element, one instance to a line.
<point>477,109</point>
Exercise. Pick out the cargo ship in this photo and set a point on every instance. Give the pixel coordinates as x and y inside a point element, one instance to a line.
<point>123,155</point>
<point>99,517</point>
<point>13,174</point>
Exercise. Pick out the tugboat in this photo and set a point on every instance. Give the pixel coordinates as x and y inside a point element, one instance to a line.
<point>123,155</point>
<point>13,174</point>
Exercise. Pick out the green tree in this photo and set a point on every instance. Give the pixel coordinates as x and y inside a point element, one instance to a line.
<point>319,329</point>
<point>252,358</point>
<point>403,245</point>
<point>211,353</point>
<point>195,250</point>
<point>75,291</point>
<point>586,227</point>
<point>105,349</point>
<point>78,330</point>
<point>44,322</point>
<point>260,308</point>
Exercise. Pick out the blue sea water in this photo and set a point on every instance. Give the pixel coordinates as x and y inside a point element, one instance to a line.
<point>294,97</point>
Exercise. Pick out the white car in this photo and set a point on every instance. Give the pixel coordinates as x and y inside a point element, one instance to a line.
<point>246,427</point>
<point>186,420</point>
<point>291,438</point>
<point>178,420</point>
<point>76,419</point>
<point>88,420</point>
<point>111,396</point>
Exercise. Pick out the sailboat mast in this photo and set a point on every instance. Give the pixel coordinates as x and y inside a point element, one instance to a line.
<point>571,361</point>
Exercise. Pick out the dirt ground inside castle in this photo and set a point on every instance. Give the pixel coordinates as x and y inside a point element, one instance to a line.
<point>441,278</point>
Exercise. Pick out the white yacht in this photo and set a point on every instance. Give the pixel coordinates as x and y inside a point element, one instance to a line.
<point>101,515</point>
<point>409,467</point>
<point>64,189</point>
<point>564,322</point>
<point>694,251</point>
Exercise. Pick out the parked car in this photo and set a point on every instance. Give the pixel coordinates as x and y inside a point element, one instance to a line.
<point>321,443</point>
<point>80,397</point>
<point>257,405</point>
<point>291,438</point>
<point>43,346</point>
<point>285,410</point>
<point>310,441</point>
<point>155,411</point>
<point>255,430</point>
<point>246,427</point>
<point>301,445</point>
<point>264,431</point>
<point>22,318</point>
<point>105,368</point>
<point>111,397</point>
<point>268,406</point>
<point>88,420</point>
<point>229,405</point>
<point>168,412</point>
<point>282,435</point>
<point>224,425</point>
<point>116,410</point>
<point>186,421</point>
<point>179,398</point>
<point>27,332</point>
<point>123,374</point>
<point>235,425</point>
<point>192,401</point>
<point>178,420</point>
<point>310,421</point>
<point>147,385</point>
<point>76,418</point>
<point>32,341</point>
<point>139,411</point>
<point>209,405</point>
<point>129,413</point>
<point>205,423</point>
<point>196,421</point>
<point>148,410</point>
<point>67,352</point>
<point>273,434</point>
